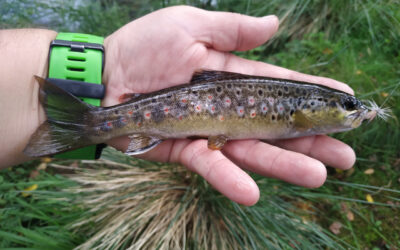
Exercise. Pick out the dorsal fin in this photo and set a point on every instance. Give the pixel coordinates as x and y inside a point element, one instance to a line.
<point>203,75</point>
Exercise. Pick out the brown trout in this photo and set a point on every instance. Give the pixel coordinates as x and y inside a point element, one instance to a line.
<point>216,105</point>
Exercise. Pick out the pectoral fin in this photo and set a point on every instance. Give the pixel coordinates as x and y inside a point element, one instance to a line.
<point>216,142</point>
<point>141,144</point>
<point>301,121</point>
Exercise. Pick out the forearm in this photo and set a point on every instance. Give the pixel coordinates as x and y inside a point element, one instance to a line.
<point>24,54</point>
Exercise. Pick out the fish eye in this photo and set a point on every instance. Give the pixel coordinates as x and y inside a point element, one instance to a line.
<point>351,103</point>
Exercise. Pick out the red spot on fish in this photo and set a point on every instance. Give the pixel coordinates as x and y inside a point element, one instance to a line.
<point>147,114</point>
<point>213,108</point>
<point>227,101</point>
<point>109,124</point>
<point>139,124</point>
<point>184,100</point>
<point>221,118</point>
<point>198,107</point>
<point>180,118</point>
<point>241,111</point>
<point>166,110</point>
<point>210,97</point>
<point>253,114</point>
<point>265,108</point>
<point>130,112</point>
<point>123,120</point>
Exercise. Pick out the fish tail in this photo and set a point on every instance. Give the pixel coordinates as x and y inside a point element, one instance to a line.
<point>66,125</point>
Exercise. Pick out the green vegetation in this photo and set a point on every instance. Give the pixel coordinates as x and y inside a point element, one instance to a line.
<point>356,42</point>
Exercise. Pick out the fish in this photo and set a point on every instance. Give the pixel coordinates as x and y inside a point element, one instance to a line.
<point>217,105</point>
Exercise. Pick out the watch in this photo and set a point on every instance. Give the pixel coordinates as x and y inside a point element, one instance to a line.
<point>76,63</point>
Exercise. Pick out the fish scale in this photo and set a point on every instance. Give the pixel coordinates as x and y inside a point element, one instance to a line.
<point>216,105</point>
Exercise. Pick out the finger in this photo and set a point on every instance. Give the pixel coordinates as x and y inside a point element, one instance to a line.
<point>275,162</point>
<point>220,172</point>
<point>225,31</point>
<point>324,148</point>
<point>229,62</point>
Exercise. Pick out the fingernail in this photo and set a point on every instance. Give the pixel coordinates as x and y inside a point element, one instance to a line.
<point>271,18</point>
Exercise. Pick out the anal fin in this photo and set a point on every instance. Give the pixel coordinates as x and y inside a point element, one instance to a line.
<point>216,142</point>
<point>141,144</point>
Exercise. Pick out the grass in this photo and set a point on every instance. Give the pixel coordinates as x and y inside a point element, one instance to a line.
<point>80,202</point>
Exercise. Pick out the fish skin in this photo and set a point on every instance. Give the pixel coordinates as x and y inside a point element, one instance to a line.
<point>235,106</point>
<point>231,105</point>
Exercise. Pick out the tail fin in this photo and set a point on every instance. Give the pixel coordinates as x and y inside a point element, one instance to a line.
<point>65,126</point>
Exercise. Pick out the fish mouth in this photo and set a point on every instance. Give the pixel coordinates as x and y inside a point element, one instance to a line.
<point>360,115</point>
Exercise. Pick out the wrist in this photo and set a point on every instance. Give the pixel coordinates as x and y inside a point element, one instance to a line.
<point>24,54</point>
<point>111,70</point>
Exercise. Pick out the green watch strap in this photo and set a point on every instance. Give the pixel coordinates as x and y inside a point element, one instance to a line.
<point>79,62</point>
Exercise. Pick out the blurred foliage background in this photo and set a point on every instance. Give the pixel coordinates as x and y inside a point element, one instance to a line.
<point>120,202</point>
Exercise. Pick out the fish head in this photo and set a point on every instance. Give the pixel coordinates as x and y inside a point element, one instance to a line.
<point>355,112</point>
<point>340,112</point>
<point>349,112</point>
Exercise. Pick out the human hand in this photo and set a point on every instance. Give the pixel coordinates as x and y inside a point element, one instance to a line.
<point>164,48</point>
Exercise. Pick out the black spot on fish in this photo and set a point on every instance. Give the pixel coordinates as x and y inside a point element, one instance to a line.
<point>313,110</point>
<point>250,86</point>
<point>122,121</point>
<point>273,117</point>
<point>312,103</point>
<point>280,93</point>
<point>291,100</point>
<point>136,107</point>
<point>320,99</point>
<point>157,114</point>
<point>195,92</point>
<point>297,91</point>
<point>154,100</point>
<point>229,86</point>
<point>219,89</point>
<point>304,92</point>
<point>269,87</point>
<point>238,92</point>
<point>260,92</point>
<point>291,112</point>
<point>286,88</point>
<point>299,102</point>
<point>332,104</point>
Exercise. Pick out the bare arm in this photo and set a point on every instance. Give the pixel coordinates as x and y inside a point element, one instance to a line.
<point>23,54</point>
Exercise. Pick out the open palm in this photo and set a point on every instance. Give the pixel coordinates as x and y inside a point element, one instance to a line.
<point>164,48</point>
